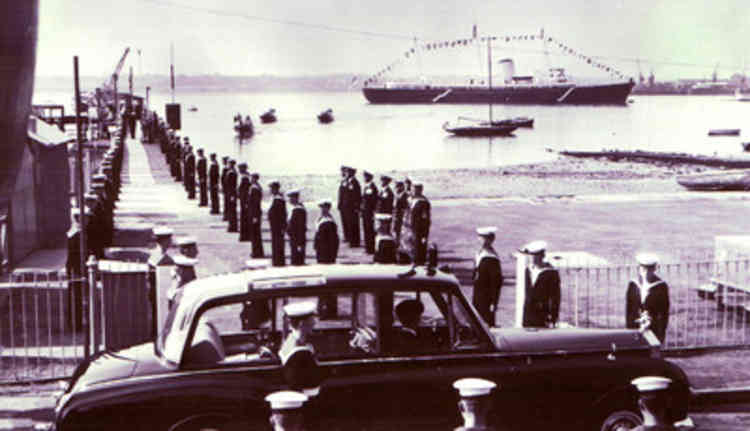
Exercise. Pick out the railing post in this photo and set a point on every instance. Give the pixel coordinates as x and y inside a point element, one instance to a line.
<point>475,403</point>
<point>520,287</point>
<point>91,299</point>
<point>286,410</point>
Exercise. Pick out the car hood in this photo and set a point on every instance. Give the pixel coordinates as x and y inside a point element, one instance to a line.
<point>568,340</point>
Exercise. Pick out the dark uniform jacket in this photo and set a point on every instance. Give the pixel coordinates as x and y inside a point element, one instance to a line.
<point>353,195</point>
<point>231,183</point>
<point>656,304</point>
<point>420,216</point>
<point>201,168</point>
<point>213,175</point>
<point>488,280</point>
<point>297,226</point>
<point>542,304</point>
<point>243,191</point>
<point>326,240</point>
<point>342,204</point>
<point>277,213</point>
<point>400,207</point>
<point>369,198</point>
<point>190,165</point>
<point>224,172</point>
<point>254,205</point>
<point>385,201</point>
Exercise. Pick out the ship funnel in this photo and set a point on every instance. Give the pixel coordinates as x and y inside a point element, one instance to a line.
<point>509,69</point>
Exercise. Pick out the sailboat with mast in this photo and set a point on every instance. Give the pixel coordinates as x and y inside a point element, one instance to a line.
<point>474,127</point>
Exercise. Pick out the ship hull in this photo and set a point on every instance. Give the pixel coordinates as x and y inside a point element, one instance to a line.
<point>609,94</point>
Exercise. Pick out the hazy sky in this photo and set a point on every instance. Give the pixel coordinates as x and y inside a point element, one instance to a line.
<point>698,32</point>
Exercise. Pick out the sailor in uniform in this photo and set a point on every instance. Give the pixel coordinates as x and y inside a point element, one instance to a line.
<point>342,204</point>
<point>277,221</point>
<point>184,273</point>
<point>369,202</point>
<point>326,234</point>
<point>231,196</point>
<point>488,276</point>
<point>213,184</point>
<point>400,206</point>
<point>187,246</point>
<point>243,192</point>
<point>202,169</point>
<point>190,172</point>
<point>297,353</point>
<point>541,307</point>
<point>385,198</point>
<point>224,172</point>
<point>353,201</point>
<point>256,214</point>
<point>385,244</point>
<point>647,298</point>
<point>420,213</point>
<point>297,228</point>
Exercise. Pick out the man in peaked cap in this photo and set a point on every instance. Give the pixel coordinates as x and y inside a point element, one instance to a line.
<point>243,194</point>
<point>541,308</point>
<point>190,172</point>
<point>297,353</point>
<point>353,201</point>
<point>277,222</point>
<point>488,276</point>
<point>213,184</point>
<point>224,172</point>
<point>256,215</point>
<point>385,244</point>
<point>647,298</point>
<point>202,169</point>
<point>231,196</point>
<point>297,228</point>
<point>184,273</point>
<point>326,241</point>
<point>385,198</point>
<point>421,219</point>
<point>401,206</point>
<point>342,204</point>
<point>369,203</point>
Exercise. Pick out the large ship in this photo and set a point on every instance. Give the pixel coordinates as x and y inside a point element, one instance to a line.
<point>552,87</point>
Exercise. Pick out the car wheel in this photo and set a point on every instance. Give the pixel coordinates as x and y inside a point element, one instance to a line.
<point>621,420</point>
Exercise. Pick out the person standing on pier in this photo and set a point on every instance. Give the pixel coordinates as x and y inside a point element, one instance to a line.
<point>342,205</point>
<point>369,203</point>
<point>421,219</point>
<point>256,214</point>
<point>487,276</point>
<point>297,228</point>
<point>647,299</point>
<point>326,234</point>
<point>277,220</point>
<point>224,172</point>
<point>243,192</point>
<point>541,308</point>
<point>190,172</point>
<point>353,201</point>
<point>74,272</point>
<point>177,154</point>
<point>399,210</point>
<point>202,169</point>
<point>385,198</point>
<point>213,184</point>
<point>231,196</point>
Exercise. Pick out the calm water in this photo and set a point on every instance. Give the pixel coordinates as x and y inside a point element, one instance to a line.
<point>405,137</point>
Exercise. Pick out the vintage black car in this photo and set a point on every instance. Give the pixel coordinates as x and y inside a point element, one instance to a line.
<point>206,371</point>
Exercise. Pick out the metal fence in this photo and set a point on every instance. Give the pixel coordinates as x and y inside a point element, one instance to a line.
<point>709,301</point>
<point>47,326</point>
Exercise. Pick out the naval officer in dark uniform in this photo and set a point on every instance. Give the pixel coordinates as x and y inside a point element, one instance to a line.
<point>541,308</point>
<point>224,172</point>
<point>190,173</point>
<point>400,206</point>
<point>353,201</point>
<point>231,196</point>
<point>385,198</point>
<point>326,241</point>
<point>256,215</point>
<point>488,276</point>
<point>213,184</point>
<point>369,203</point>
<point>202,169</point>
<point>342,204</point>
<point>421,219</point>
<point>297,228</point>
<point>277,221</point>
<point>243,194</point>
<point>647,299</point>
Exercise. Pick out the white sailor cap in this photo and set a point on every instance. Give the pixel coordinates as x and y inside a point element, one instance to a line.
<point>486,230</point>
<point>383,217</point>
<point>325,202</point>
<point>300,309</point>
<point>162,231</point>
<point>416,183</point>
<point>293,192</point>
<point>647,259</point>
<point>473,387</point>
<point>651,383</point>
<point>286,400</point>
<point>534,247</point>
<point>186,240</point>
<point>181,260</point>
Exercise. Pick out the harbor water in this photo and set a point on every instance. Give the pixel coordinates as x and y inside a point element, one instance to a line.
<point>410,137</point>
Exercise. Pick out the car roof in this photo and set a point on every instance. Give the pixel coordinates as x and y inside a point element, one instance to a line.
<point>289,277</point>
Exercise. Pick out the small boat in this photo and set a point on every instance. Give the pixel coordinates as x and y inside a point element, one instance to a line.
<point>516,121</point>
<point>268,116</point>
<point>716,181</point>
<point>724,132</point>
<point>193,109</point>
<point>479,128</point>
<point>326,116</point>
<point>243,127</point>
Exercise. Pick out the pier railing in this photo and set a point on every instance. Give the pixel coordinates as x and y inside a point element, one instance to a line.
<point>709,301</point>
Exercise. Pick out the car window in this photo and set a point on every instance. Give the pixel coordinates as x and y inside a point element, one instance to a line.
<point>420,324</point>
